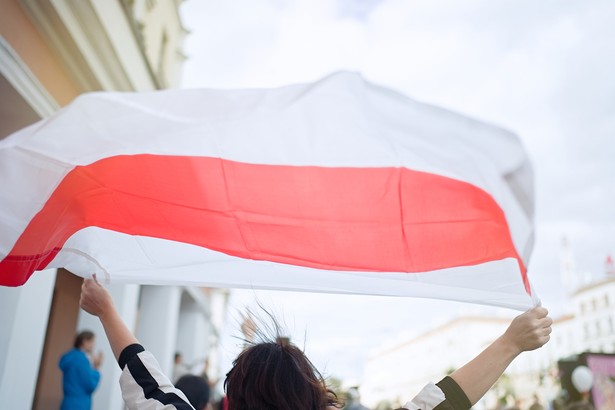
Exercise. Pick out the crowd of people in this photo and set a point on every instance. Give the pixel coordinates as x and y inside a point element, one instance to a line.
<point>270,373</point>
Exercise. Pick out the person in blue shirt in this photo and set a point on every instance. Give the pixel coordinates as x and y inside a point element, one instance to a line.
<point>80,377</point>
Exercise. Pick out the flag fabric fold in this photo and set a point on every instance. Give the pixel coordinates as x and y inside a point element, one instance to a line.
<point>336,186</point>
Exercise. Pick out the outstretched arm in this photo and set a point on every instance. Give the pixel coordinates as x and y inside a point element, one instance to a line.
<point>142,381</point>
<point>97,301</point>
<point>528,331</point>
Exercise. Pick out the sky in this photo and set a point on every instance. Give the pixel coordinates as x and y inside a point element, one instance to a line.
<point>544,70</point>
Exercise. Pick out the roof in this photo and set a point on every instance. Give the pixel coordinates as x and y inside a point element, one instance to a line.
<point>593,285</point>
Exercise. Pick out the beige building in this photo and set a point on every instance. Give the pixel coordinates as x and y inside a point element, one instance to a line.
<point>159,24</point>
<point>50,52</point>
<point>594,306</point>
<point>397,372</point>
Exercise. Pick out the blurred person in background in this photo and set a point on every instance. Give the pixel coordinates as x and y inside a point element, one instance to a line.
<point>196,389</point>
<point>353,400</point>
<point>80,376</point>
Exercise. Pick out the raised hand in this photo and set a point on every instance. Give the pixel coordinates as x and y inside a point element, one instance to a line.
<point>95,299</point>
<point>98,359</point>
<point>530,330</point>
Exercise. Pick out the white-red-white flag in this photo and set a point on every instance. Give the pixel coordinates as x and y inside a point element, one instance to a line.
<point>336,186</point>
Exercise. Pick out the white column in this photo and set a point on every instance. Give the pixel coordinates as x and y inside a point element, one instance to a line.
<point>193,334</point>
<point>24,313</point>
<point>219,306</point>
<point>108,395</point>
<point>157,324</point>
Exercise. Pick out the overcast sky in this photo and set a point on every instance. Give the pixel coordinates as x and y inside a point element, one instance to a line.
<point>543,69</point>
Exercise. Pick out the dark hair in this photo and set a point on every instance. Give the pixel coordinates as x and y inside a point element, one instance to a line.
<point>276,375</point>
<point>196,390</point>
<point>83,337</point>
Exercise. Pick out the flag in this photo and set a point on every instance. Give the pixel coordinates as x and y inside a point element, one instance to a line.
<point>335,186</point>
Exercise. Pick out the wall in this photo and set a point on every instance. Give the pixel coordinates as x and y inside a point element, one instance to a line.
<point>17,29</point>
<point>59,338</point>
<point>23,318</point>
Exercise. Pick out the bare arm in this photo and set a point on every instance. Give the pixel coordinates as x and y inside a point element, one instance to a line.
<point>528,331</point>
<point>97,301</point>
<point>143,383</point>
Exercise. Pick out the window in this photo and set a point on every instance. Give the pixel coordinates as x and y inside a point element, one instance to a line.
<point>606,301</point>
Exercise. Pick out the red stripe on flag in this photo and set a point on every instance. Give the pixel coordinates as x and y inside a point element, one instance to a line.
<point>357,219</point>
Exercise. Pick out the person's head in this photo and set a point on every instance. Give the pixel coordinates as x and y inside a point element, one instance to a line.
<point>353,395</point>
<point>276,375</point>
<point>178,357</point>
<point>84,341</point>
<point>196,390</point>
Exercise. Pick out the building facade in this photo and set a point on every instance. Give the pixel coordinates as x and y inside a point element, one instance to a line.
<point>594,306</point>
<point>398,372</point>
<point>50,52</point>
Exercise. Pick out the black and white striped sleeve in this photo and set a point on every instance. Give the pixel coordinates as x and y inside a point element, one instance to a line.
<point>444,395</point>
<point>143,384</point>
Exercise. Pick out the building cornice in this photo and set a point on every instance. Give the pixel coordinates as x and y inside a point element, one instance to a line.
<point>593,285</point>
<point>25,82</point>
<point>95,40</point>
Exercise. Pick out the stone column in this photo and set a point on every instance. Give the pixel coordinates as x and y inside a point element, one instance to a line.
<point>24,312</point>
<point>157,324</point>
<point>193,333</point>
